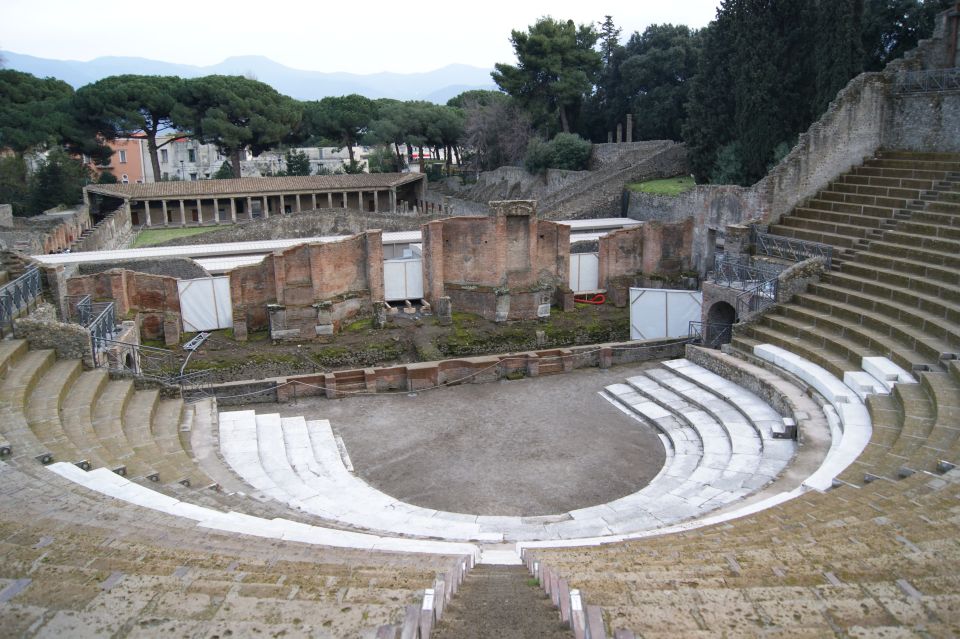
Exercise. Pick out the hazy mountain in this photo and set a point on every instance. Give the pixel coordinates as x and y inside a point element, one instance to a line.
<point>436,86</point>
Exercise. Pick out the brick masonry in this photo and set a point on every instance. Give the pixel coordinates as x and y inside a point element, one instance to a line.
<point>298,290</point>
<point>505,266</point>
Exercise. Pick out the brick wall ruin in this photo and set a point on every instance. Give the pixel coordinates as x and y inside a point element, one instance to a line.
<point>506,266</point>
<point>308,290</point>
<point>154,299</point>
<point>652,248</point>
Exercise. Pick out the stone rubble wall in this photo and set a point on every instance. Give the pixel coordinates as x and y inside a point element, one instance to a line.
<point>43,330</point>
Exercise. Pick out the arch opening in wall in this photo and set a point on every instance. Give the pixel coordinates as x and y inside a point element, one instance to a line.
<point>720,320</point>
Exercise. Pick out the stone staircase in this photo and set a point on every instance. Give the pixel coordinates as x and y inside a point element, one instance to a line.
<point>895,293</point>
<point>875,555</point>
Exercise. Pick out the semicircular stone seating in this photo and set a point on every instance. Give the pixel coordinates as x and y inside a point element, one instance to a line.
<point>720,447</point>
<point>876,554</point>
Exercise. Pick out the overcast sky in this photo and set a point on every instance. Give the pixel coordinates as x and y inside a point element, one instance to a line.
<point>357,36</point>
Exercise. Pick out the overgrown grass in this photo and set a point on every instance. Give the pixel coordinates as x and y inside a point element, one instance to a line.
<point>149,237</point>
<point>667,186</point>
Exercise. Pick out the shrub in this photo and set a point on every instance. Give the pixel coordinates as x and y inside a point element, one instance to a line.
<point>565,151</point>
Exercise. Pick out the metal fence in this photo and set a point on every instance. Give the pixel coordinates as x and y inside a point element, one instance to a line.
<point>928,80</point>
<point>732,273</point>
<point>18,295</point>
<point>146,362</point>
<point>756,299</point>
<point>789,248</point>
<point>710,334</point>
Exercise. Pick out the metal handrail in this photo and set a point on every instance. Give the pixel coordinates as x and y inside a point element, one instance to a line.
<point>103,326</point>
<point>17,295</point>
<point>789,248</point>
<point>928,80</point>
<point>731,273</point>
<point>710,334</point>
<point>757,298</point>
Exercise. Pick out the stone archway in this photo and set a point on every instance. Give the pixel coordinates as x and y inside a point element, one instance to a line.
<point>720,320</point>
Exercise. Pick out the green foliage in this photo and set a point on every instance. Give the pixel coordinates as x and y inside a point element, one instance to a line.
<point>236,113</point>
<point>126,105</point>
<point>666,186</point>
<point>482,97</point>
<point>13,183</point>
<point>343,119</point>
<point>557,67</point>
<point>58,180</point>
<point>893,27</point>
<point>33,111</point>
<point>298,163</point>
<point>106,177</point>
<point>565,151</point>
<point>383,160</point>
<point>225,172</point>
<point>353,166</point>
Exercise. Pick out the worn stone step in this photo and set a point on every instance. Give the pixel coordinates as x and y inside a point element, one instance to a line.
<point>902,304</point>
<point>834,217</point>
<point>907,327</point>
<point>913,248</point>
<point>879,257</point>
<point>501,601</point>
<point>11,351</point>
<point>166,432</point>
<point>108,424</point>
<point>16,387</point>
<point>836,355</point>
<point>840,186</point>
<point>77,417</point>
<point>814,236</point>
<point>888,182</point>
<point>43,408</point>
<point>941,165</point>
<point>908,173</point>
<point>827,228</point>
<point>928,242</point>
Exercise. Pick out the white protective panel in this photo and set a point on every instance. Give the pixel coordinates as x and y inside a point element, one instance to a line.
<point>584,272</point>
<point>657,313</point>
<point>205,304</point>
<point>403,279</point>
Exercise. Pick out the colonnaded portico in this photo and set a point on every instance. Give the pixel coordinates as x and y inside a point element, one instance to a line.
<point>181,203</point>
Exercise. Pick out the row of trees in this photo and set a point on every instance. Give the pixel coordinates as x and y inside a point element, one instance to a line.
<point>234,113</point>
<point>738,91</point>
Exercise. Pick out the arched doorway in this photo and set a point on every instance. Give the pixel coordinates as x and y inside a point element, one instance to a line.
<point>720,320</point>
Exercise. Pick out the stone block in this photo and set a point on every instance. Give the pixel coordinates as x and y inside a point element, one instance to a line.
<point>444,311</point>
<point>323,329</point>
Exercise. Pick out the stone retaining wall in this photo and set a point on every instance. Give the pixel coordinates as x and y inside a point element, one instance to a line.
<point>425,375</point>
<point>42,330</point>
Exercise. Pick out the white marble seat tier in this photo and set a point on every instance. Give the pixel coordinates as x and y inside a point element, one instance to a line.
<point>710,463</point>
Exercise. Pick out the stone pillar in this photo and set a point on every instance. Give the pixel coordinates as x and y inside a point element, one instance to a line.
<point>609,137</point>
<point>283,205</point>
<point>379,314</point>
<point>199,212</point>
<point>329,200</point>
<point>216,210</point>
<point>146,212</point>
<point>266,208</point>
<point>393,200</point>
<point>233,210</point>
<point>249,208</point>
<point>166,214</point>
<point>629,127</point>
<point>619,133</point>
<point>376,201</point>
<point>444,311</point>
<point>296,203</point>
<point>183,214</point>
<point>344,195</point>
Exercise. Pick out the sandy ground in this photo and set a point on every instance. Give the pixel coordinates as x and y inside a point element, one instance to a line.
<point>527,447</point>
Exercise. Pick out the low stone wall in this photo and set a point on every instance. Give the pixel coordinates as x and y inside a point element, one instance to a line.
<point>798,277</point>
<point>182,268</point>
<point>42,330</point>
<point>425,375</point>
<point>112,232</point>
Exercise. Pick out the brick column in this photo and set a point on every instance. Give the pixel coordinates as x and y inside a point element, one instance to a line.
<point>433,276</point>
<point>374,246</point>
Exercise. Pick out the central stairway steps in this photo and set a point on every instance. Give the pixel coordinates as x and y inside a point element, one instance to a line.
<point>502,602</point>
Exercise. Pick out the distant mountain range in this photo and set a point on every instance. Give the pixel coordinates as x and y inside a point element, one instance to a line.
<point>435,86</point>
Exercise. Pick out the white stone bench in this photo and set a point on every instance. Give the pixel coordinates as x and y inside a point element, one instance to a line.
<point>834,390</point>
<point>886,372</point>
<point>110,484</point>
<point>863,384</point>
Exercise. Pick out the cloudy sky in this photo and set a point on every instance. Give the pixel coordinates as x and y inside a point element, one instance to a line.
<point>358,36</point>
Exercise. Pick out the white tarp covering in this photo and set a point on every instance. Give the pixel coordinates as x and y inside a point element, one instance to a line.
<point>657,313</point>
<point>205,304</point>
<point>403,279</point>
<point>584,272</point>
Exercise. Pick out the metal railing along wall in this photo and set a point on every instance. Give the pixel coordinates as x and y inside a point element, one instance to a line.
<point>756,299</point>
<point>732,273</point>
<point>789,248</point>
<point>928,80</point>
<point>18,295</point>
<point>710,334</point>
